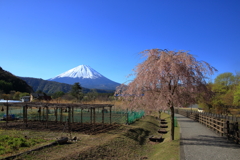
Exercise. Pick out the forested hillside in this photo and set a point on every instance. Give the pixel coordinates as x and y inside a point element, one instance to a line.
<point>225,98</point>
<point>46,86</point>
<point>10,82</point>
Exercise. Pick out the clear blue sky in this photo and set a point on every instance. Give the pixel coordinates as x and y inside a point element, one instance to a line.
<point>43,38</point>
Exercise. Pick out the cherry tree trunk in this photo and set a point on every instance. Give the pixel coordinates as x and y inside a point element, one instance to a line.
<point>172,122</point>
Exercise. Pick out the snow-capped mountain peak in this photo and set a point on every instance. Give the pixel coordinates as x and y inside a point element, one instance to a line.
<point>82,71</point>
<point>87,77</point>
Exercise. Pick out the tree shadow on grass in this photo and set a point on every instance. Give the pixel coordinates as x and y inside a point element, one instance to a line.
<point>138,135</point>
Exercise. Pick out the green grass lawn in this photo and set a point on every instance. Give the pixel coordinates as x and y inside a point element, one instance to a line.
<point>167,150</point>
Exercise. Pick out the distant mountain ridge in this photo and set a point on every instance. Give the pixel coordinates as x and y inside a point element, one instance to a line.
<point>51,87</point>
<point>87,77</point>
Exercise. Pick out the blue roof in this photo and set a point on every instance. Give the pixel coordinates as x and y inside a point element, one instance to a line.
<point>9,101</point>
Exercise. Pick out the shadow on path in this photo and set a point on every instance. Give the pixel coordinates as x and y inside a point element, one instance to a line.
<point>209,141</point>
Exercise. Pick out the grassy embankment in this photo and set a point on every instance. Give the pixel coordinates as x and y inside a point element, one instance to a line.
<point>126,142</point>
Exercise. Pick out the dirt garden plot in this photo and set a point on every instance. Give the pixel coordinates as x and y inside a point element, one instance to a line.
<point>84,128</point>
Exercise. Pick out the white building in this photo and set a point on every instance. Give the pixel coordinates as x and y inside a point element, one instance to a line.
<point>25,99</point>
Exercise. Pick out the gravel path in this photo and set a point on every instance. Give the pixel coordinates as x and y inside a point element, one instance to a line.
<point>200,143</point>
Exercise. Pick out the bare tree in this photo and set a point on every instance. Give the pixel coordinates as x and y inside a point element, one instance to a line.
<point>166,79</point>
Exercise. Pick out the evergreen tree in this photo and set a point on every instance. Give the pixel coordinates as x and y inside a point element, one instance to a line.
<point>76,91</point>
<point>58,94</point>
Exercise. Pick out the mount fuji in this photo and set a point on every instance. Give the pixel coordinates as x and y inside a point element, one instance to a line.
<point>87,77</point>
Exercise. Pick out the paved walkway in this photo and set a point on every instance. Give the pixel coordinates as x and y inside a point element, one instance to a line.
<point>200,143</point>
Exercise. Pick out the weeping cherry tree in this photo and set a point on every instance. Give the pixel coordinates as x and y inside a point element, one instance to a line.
<point>166,79</point>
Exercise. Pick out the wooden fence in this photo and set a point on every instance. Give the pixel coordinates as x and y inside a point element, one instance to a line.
<point>224,125</point>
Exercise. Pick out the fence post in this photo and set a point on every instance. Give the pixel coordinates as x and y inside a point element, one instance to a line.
<point>81,116</point>
<point>102,117</point>
<point>56,109</point>
<point>222,127</point>
<point>39,113</point>
<point>199,117</point>
<point>61,115</point>
<point>94,118</point>
<point>7,113</point>
<point>72,114</point>
<point>25,115</point>
<point>69,119</point>
<point>46,116</point>
<point>110,115</point>
<point>23,110</point>
<point>227,129</point>
<point>236,132</point>
<point>43,116</point>
<point>91,115</point>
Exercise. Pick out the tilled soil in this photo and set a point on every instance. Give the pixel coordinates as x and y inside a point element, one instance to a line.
<point>85,128</point>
